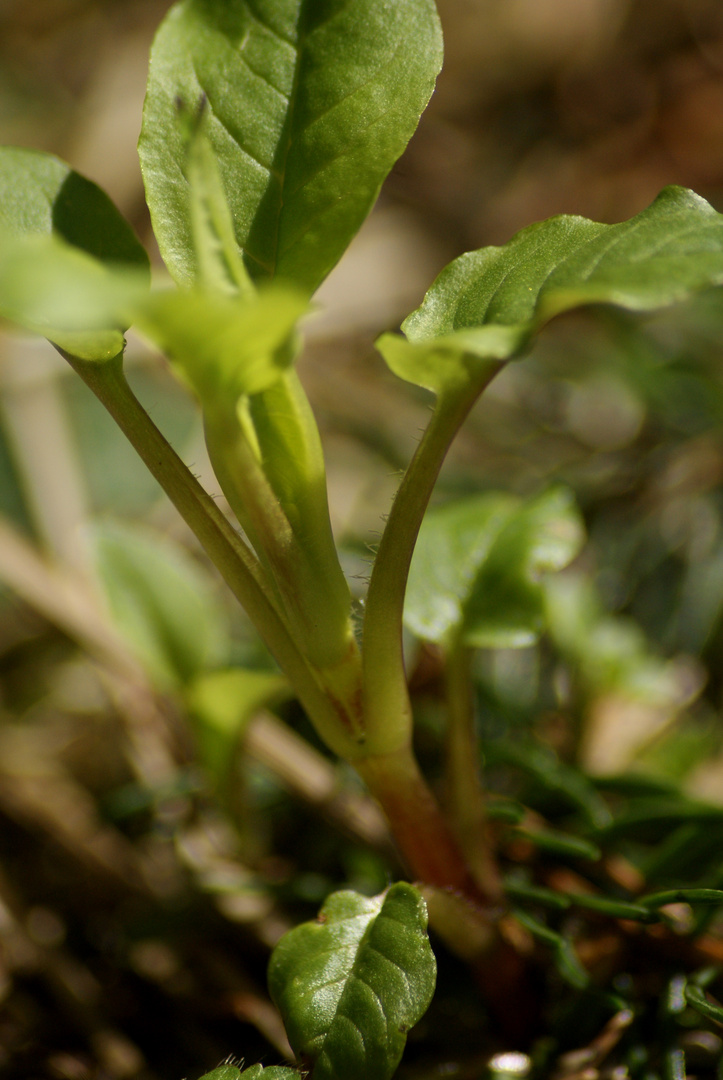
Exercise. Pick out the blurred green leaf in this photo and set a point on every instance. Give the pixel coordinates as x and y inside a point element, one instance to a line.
<point>478,563</point>
<point>657,816</point>
<point>350,985</point>
<point>224,346</point>
<point>506,810</point>
<point>60,236</point>
<point>221,703</point>
<point>488,304</point>
<point>616,909</point>
<point>220,266</point>
<point>559,843</point>
<point>538,895</point>
<point>566,959</point>
<point>608,652</point>
<point>161,600</point>
<point>683,896</point>
<point>41,195</point>
<point>545,768</point>
<point>67,296</point>
<point>702,1003</point>
<point>308,105</point>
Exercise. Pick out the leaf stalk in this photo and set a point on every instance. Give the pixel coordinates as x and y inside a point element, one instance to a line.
<point>386,699</point>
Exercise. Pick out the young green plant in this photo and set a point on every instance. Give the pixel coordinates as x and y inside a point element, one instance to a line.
<point>268,129</point>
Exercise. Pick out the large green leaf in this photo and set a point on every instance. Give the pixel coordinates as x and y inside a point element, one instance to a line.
<point>350,985</point>
<point>488,304</point>
<point>477,567</point>
<point>60,237</point>
<point>308,104</point>
<point>39,194</point>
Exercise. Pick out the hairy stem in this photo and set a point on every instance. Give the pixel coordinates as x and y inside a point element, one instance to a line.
<point>421,833</point>
<point>235,561</point>
<point>313,593</point>
<point>385,686</point>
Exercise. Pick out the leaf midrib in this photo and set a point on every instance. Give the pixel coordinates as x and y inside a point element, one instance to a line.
<point>280,172</point>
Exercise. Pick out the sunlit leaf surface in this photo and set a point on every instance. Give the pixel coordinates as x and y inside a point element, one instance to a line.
<point>350,985</point>
<point>69,261</point>
<point>488,304</point>
<point>308,104</point>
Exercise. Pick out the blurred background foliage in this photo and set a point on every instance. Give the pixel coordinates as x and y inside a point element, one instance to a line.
<point>146,866</point>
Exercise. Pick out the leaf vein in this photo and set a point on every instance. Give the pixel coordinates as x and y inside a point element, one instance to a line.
<point>323,209</point>
<point>253,10</point>
<point>394,963</point>
<point>665,241</point>
<point>332,16</point>
<point>374,78</point>
<point>262,78</point>
<point>259,262</point>
<point>247,153</point>
<point>374,993</point>
<point>499,285</point>
<point>608,247</point>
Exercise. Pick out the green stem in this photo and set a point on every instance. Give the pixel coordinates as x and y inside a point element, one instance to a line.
<point>256,506</point>
<point>424,840</point>
<point>234,560</point>
<point>314,596</point>
<point>386,700</point>
<point>465,797</point>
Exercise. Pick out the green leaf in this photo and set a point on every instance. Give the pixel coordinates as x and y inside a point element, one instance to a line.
<point>447,363</point>
<point>282,424</point>
<point>559,843</point>
<point>683,896</point>
<point>566,959</point>
<point>223,1072</point>
<point>58,281</point>
<point>224,346</point>
<point>544,767</point>
<point>161,600</point>
<point>701,1001</point>
<point>221,703</point>
<point>477,567</point>
<point>350,985</point>
<point>41,195</point>
<point>254,1072</point>
<point>271,1072</point>
<point>616,909</point>
<point>655,817</point>
<point>538,895</point>
<point>220,266</point>
<point>487,305</point>
<point>607,652</point>
<point>67,296</point>
<point>308,104</point>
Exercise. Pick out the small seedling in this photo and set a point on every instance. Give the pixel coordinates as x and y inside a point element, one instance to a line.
<point>268,129</point>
